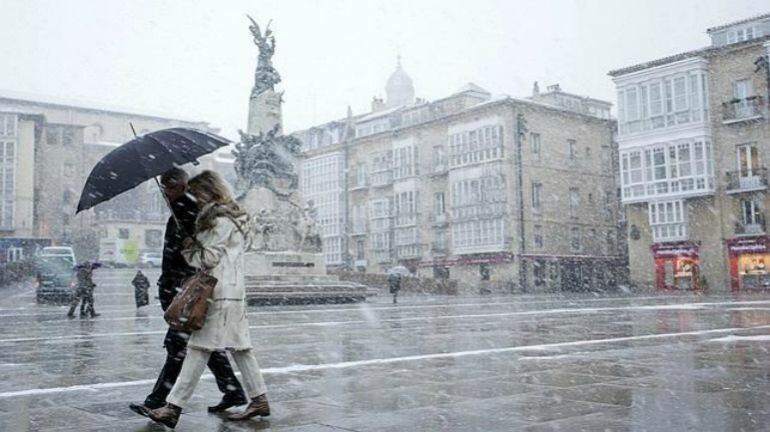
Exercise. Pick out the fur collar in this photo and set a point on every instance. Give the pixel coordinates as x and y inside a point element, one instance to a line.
<point>207,218</point>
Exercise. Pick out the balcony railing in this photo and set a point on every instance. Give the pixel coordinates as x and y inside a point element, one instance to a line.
<point>755,227</point>
<point>738,181</point>
<point>737,110</point>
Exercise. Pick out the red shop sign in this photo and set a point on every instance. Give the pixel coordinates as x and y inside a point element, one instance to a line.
<point>748,245</point>
<point>675,250</point>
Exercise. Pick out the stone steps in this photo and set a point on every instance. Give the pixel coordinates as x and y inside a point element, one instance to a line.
<point>298,288</point>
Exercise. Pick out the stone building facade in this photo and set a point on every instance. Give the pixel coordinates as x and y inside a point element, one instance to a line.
<point>503,193</point>
<point>693,135</point>
<point>56,144</point>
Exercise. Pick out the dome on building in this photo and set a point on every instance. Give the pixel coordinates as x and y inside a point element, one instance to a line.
<point>399,88</point>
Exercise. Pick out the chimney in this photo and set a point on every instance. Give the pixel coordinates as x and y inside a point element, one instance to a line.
<point>377,104</point>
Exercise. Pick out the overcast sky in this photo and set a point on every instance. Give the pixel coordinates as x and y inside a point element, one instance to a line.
<point>196,58</point>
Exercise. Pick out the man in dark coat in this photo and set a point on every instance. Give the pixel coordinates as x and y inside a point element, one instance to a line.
<point>174,270</point>
<point>394,283</point>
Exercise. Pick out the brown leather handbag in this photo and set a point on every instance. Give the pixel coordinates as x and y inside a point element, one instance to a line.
<point>187,311</point>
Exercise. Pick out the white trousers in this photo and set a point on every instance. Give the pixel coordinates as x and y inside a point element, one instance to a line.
<point>194,364</point>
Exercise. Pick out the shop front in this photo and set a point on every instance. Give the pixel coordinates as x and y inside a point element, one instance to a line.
<point>676,266</point>
<point>749,258</point>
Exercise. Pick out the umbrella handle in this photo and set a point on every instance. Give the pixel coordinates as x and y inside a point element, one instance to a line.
<point>165,198</point>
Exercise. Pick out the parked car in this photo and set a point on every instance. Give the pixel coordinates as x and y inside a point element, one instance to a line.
<point>60,251</point>
<point>54,278</point>
<point>151,259</point>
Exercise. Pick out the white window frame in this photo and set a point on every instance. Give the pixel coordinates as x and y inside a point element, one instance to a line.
<point>668,220</point>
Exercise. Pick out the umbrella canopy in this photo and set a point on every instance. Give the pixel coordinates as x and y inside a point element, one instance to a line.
<point>399,269</point>
<point>143,158</point>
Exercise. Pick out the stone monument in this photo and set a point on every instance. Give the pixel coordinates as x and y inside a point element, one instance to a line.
<point>284,262</point>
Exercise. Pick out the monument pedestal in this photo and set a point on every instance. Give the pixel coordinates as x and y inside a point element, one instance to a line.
<point>274,278</point>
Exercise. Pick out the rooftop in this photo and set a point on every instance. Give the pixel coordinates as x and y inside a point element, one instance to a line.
<point>89,105</point>
<point>743,21</point>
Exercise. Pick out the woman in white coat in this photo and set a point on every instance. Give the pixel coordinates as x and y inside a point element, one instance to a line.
<point>218,246</point>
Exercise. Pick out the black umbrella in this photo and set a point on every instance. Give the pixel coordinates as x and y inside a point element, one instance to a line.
<point>143,158</point>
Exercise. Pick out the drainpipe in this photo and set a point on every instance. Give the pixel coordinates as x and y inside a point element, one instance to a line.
<point>521,129</point>
<point>348,265</point>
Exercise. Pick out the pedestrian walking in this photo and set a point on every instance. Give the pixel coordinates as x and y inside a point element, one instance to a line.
<point>174,270</point>
<point>141,289</point>
<point>84,291</point>
<point>218,248</point>
<point>394,284</point>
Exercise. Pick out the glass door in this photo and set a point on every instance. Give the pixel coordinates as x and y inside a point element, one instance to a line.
<point>748,166</point>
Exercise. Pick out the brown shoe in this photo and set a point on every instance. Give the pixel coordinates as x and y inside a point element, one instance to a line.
<point>167,415</point>
<point>257,407</point>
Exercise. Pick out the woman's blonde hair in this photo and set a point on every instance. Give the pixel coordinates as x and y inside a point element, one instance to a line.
<point>215,185</point>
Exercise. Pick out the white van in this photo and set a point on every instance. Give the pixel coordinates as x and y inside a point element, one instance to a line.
<point>60,251</point>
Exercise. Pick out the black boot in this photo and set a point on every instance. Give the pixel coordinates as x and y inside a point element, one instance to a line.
<point>228,402</point>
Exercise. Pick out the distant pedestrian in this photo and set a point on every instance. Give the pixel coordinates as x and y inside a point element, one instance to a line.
<point>141,289</point>
<point>394,284</point>
<point>84,291</point>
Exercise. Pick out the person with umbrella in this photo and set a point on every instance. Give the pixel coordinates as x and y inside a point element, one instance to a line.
<point>84,291</point>
<point>394,284</point>
<point>131,164</point>
<point>174,270</point>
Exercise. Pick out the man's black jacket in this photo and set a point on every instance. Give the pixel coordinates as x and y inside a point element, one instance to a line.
<point>174,268</point>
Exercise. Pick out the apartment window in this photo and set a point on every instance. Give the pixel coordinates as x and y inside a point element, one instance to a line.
<point>439,205</point>
<point>8,125</point>
<point>742,89</point>
<point>123,233</point>
<point>52,135</point>
<point>476,145</point>
<point>405,161</point>
<point>668,220</point>
<point>571,149</point>
<point>537,236</point>
<point>534,145</point>
<point>68,137</point>
<point>748,160</point>
<point>574,239</point>
<point>574,201</point>
<point>588,152</point>
<point>751,212</point>
<point>361,174</point>
<point>66,197</point>
<point>656,99</point>
<point>360,250</point>
<point>439,158</point>
<point>632,104</point>
<point>7,184</point>
<point>537,197</point>
<point>680,94</point>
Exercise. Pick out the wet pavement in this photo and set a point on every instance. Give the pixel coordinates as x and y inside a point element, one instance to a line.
<point>525,363</point>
